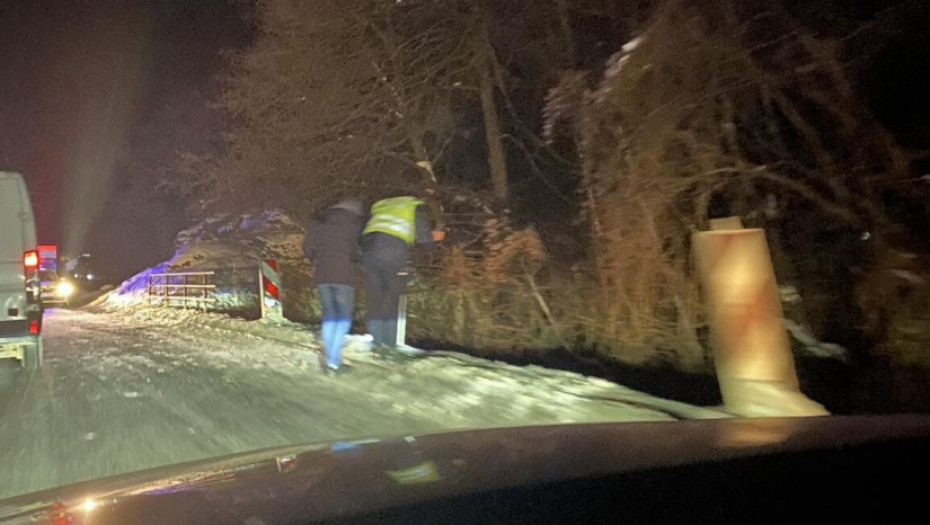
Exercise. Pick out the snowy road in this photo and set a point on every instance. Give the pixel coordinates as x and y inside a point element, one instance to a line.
<point>127,391</point>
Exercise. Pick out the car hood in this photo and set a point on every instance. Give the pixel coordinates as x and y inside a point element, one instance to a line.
<point>344,478</point>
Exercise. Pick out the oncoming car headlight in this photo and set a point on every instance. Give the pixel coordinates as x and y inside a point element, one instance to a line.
<point>64,289</point>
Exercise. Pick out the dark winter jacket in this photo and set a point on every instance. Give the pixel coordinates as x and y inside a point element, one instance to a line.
<point>332,246</point>
<point>390,250</point>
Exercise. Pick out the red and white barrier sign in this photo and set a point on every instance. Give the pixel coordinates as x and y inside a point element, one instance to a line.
<point>270,282</point>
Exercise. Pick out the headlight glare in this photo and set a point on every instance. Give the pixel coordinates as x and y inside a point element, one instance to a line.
<point>64,289</point>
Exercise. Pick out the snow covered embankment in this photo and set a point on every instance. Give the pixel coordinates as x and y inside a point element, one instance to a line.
<point>231,246</point>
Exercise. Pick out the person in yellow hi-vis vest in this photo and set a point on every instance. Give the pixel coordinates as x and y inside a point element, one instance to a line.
<point>396,225</point>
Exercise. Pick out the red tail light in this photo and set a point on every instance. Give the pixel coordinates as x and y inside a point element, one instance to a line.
<point>31,260</point>
<point>33,327</point>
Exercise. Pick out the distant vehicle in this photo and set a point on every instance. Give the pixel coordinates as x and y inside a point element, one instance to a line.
<point>81,270</point>
<point>56,290</point>
<point>48,257</point>
<point>20,295</point>
<point>710,471</point>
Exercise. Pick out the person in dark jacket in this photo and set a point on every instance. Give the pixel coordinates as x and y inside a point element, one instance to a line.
<point>396,224</point>
<point>332,247</point>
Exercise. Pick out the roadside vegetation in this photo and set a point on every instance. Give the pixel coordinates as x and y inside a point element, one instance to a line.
<point>571,148</point>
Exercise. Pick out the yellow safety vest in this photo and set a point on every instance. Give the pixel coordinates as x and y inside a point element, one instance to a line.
<point>395,216</point>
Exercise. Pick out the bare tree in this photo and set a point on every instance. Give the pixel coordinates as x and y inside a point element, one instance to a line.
<point>721,100</point>
<point>485,66</point>
<point>337,97</point>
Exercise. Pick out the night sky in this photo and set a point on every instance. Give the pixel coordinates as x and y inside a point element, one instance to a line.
<point>95,99</point>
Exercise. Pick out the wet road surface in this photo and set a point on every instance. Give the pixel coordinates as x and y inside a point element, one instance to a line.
<point>110,401</point>
<point>118,395</point>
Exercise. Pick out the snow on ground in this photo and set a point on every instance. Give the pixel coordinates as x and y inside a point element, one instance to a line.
<point>461,390</point>
<point>125,389</point>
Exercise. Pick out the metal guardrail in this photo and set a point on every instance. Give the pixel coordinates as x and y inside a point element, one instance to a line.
<point>182,289</point>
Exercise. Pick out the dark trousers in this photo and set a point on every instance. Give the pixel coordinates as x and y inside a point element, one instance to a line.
<point>382,298</point>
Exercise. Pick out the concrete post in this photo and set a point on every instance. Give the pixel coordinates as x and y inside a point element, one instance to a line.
<point>402,321</point>
<point>752,353</point>
<point>402,310</point>
<point>261,294</point>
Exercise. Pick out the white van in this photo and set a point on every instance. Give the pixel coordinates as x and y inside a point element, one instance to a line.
<point>20,300</point>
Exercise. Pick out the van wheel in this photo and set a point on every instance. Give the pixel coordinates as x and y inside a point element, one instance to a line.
<point>32,355</point>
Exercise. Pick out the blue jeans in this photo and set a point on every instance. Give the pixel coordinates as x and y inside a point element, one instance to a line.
<point>338,302</point>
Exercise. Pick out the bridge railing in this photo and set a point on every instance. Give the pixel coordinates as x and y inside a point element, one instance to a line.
<point>182,289</point>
